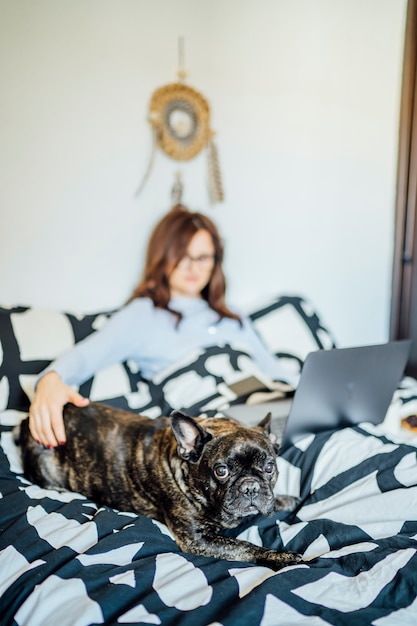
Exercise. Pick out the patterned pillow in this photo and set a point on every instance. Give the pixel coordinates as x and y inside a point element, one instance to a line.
<point>291,328</point>
<point>30,338</point>
<point>199,383</point>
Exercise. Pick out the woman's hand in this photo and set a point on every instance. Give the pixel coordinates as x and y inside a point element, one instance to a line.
<point>46,422</point>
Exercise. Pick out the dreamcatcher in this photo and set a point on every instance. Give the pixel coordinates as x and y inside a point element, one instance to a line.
<point>180,120</point>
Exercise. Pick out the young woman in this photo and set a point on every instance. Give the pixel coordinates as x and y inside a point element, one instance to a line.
<point>178,306</point>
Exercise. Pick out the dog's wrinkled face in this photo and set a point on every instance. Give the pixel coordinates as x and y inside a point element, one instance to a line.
<point>234,469</point>
<point>241,479</point>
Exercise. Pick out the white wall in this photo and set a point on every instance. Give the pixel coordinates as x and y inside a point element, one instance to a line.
<point>305,100</point>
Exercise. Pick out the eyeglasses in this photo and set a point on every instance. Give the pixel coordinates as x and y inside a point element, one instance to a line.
<point>205,261</point>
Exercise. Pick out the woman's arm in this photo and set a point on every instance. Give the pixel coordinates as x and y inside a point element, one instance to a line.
<point>111,344</point>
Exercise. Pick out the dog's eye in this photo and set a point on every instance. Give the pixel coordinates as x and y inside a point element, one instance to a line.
<point>269,467</point>
<point>221,471</point>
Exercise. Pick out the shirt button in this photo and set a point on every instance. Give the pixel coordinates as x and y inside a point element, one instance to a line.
<point>212,330</point>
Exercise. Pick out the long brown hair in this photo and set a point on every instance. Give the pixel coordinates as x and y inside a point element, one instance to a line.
<point>167,246</point>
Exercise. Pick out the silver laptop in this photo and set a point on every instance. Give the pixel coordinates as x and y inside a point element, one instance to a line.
<point>343,387</point>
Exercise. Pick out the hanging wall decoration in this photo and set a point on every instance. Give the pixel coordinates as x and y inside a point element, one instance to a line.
<point>180,120</point>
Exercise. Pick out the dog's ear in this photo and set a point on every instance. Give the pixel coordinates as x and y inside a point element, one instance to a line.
<point>191,438</point>
<point>265,424</point>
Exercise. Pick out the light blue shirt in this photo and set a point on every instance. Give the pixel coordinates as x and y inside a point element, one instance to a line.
<point>150,337</point>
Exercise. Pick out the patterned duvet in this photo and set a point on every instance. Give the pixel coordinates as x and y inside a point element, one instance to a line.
<point>65,561</point>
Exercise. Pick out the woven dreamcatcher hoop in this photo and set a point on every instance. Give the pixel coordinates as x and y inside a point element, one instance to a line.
<point>180,117</point>
<point>180,120</point>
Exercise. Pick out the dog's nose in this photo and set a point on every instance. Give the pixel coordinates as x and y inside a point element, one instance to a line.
<point>250,489</point>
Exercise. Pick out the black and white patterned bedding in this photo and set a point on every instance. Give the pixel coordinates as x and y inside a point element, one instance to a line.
<point>64,560</point>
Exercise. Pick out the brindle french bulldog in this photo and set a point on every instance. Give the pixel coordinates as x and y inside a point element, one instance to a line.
<point>198,476</point>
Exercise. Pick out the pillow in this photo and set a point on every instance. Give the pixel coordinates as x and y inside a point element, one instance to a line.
<point>291,328</point>
<point>199,383</point>
<point>30,338</point>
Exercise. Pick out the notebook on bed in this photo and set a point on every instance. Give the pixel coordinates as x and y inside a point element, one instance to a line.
<point>343,387</point>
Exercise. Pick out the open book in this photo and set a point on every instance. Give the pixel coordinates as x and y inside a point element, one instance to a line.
<point>255,389</point>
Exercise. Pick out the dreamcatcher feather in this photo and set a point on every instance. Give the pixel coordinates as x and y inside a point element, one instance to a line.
<point>214,176</point>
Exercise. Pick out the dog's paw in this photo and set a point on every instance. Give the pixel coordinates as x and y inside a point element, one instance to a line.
<point>291,558</point>
<point>286,503</point>
<point>278,560</point>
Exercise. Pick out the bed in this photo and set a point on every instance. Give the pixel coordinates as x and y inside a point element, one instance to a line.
<point>65,560</point>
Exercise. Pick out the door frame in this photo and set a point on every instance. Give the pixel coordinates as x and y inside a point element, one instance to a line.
<point>404,279</point>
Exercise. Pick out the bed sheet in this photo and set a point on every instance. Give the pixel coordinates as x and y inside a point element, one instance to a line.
<point>64,560</point>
